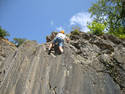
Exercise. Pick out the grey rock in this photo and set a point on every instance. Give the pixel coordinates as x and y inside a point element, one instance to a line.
<point>6,50</point>
<point>85,67</point>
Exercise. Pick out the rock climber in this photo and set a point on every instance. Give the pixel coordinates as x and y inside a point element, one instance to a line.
<point>60,37</point>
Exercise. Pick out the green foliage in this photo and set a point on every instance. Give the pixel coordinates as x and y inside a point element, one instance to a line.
<point>75,30</point>
<point>96,28</point>
<point>18,41</point>
<point>3,33</point>
<point>112,12</point>
<point>120,34</point>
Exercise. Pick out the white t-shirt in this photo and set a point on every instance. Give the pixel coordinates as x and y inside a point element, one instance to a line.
<point>60,35</point>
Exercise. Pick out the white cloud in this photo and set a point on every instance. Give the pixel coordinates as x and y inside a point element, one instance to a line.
<point>81,19</point>
<point>59,28</point>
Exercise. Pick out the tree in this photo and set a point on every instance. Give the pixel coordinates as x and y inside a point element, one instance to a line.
<point>112,12</point>
<point>18,41</point>
<point>97,28</point>
<point>3,33</point>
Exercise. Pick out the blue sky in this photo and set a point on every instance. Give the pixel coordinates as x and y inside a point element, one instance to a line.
<point>35,19</point>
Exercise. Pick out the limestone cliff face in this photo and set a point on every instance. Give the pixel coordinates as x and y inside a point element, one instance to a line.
<point>89,65</point>
<point>6,49</point>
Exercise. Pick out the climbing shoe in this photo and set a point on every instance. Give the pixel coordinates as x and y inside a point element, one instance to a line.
<point>49,51</point>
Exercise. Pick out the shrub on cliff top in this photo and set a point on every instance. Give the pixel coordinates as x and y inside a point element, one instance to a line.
<point>3,33</point>
<point>75,30</point>
<point>18,41</point>
<point>96,28</point>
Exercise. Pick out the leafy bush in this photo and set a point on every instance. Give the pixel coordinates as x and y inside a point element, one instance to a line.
<point>96,28</point>
<point>120,33</point>
<point>75,30</point>
<point>122,36</point>
<point>3,33</point>
<point>18,41</point>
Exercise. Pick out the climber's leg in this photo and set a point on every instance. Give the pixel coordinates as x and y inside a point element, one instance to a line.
<point>61,44</point>
<point>51,45</point>
<point>61,49</point>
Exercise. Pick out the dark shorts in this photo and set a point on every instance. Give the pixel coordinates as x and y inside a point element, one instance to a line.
<point>59,41</point>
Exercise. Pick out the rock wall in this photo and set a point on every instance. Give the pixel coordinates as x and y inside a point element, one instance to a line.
<point>90,65</point>
<point>6,49</point>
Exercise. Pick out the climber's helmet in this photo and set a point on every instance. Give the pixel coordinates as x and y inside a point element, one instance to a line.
<point>62,31</point>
